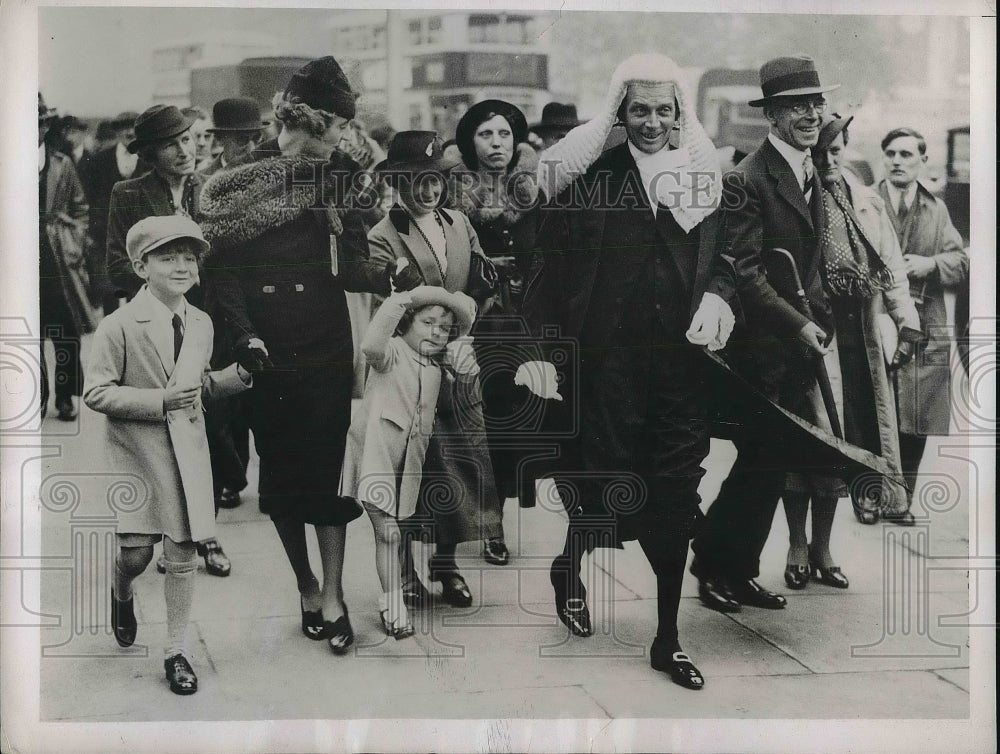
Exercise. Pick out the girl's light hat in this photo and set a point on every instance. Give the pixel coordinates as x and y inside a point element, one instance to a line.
<point>458,303</point>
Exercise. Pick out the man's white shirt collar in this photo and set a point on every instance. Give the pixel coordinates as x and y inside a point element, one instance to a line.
<point>792,155</point>
<point>894,193</point>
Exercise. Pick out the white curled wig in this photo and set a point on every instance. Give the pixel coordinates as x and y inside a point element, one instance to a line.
<point>570,158</point>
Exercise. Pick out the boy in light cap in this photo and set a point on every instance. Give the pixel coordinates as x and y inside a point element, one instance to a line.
<point>148,372</point>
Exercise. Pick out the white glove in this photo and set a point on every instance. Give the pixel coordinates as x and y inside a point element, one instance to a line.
<point>540,378</point>
<point>712,324</point>
<point>462,356</point>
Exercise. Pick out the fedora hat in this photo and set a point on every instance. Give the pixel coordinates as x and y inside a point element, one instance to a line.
<point>482,112</point>
<point>556,116</point>
<point>236,114</point>
<point>158,123</point>
<point>830,126</point>
<point>323,85</point>
<point>789,76</point>
<point>152,232</point>
<point>45,113</point>
<point>415,151</point>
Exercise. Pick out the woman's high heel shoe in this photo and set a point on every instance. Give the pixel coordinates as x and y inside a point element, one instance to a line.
<point>312,622</point>
<point>796,576</point>
<point>831,576</point>
<point>339,633</point>
<point>396,629</point>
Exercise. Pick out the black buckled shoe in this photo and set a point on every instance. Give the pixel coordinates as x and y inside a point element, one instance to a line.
<point>495,551</point>
<point>796,576</point>
<point>123,623</point>
<point>678,665</point>
<point>216,561</point>
<point>181,675</point>
<point>749,592</point>
<point>572,611</point>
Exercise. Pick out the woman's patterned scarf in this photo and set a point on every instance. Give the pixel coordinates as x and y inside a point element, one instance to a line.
<point>851,266</point>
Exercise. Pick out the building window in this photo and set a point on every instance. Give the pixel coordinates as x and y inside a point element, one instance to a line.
<point>434,72</point>
<point>433,29</point>
<point>416,117</point>
<point>487,28</point>
<point>416,32</point>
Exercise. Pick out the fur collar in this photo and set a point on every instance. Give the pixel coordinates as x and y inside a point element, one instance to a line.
<point>243,203</point>
<point>497,198</point>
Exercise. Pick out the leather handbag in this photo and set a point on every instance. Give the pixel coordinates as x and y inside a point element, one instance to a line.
<point>483,278</point>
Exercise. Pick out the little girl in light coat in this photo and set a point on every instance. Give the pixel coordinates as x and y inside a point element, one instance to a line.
<point>409,340</point>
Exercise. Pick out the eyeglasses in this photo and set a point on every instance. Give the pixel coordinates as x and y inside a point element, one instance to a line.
<point>801,108</point>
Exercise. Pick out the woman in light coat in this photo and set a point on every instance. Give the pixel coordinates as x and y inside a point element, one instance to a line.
<point>864,276</point>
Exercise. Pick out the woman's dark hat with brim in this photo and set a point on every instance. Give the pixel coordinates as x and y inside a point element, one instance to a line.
<point>158,123</point>
<point>482,112</point>
<point>831,126</point>
<point>556,117</point>
<point>45,113</point>
<point>323,85</point>
<point>791,76</point>
<point>415,152</point>
<point>236,114</point>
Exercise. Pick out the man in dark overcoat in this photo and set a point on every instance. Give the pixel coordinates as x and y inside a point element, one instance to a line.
<point>772,199</point>
<point>626,249</point>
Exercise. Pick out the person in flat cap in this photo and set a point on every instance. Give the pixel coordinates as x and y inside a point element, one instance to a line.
<point>149,373</point>
<point>99,172</point>
<point>425,243</point>
<point>773,199</point>
<point>863,275</point>
<point>288,240</point>
<point>558,119</point>
<point>236,126</point>
<point>64,307</point>
<point>628,255</point>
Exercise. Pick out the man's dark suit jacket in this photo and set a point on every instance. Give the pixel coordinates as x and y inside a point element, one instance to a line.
<point>131,201</point>
<point>763,207</point>
<point>99,174</point>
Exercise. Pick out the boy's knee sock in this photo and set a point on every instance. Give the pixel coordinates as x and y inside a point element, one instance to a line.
<point>178,588</point>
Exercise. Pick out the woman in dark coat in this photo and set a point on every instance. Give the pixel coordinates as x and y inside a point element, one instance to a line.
<point>458,499</point>
<point>285,248</point>
<point>498,191</point>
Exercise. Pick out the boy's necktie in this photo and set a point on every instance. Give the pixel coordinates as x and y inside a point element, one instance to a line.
<point>178,336</point>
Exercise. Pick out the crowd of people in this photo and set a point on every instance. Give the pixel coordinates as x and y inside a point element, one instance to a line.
<point>257,276</point>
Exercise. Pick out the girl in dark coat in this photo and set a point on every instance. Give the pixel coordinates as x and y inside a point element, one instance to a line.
<point>285,248</point>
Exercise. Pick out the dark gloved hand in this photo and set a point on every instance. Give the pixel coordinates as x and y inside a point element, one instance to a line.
<point>405,277</point>
<point>908,340</point>
<point>253,356</point>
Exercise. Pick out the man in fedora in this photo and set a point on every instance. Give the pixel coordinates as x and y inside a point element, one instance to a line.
<point>771,199</point>
<point>99,173</point>
<point>557,120</point>
<point>163,140</point>
<point>236,126</point>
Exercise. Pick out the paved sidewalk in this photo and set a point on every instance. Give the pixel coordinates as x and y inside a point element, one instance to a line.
<point>870,652</point>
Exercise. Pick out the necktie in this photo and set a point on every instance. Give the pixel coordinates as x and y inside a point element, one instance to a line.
<point>178,336</point>
<point>807,171</point>
<point>903,210</point>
